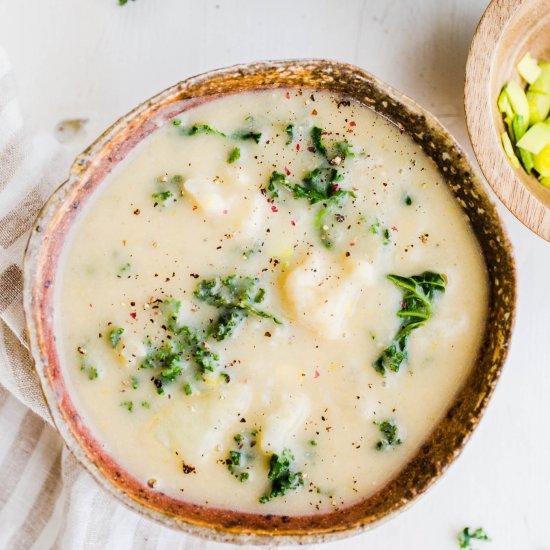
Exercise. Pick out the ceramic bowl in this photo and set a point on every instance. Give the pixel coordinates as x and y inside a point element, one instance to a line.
<point>90,168</point>
<point>507,30</point>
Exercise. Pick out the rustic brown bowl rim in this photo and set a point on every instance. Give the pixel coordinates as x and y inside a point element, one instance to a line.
<point>515,189</point>
<point>448,437</point>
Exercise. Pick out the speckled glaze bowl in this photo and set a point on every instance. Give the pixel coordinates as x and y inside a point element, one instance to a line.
<point>448,438</point>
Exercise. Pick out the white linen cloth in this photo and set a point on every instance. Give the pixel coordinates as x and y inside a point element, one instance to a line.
<point>47,500</point>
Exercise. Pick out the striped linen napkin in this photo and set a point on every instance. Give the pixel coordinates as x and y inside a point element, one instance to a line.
<point>47,500</point>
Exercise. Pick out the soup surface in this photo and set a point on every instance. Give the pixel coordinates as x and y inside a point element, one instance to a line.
<point>270,304</point>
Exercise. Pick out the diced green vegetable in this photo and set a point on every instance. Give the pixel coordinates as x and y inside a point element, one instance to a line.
<point>504,105</point>
<point>518,99</point>
<point>528,68</point>
<point>526,159</point>
<point>541,162</point>
<point>538,95</point>
<point>518,127</point>
<point>509,149</point>
<point>536,138</point>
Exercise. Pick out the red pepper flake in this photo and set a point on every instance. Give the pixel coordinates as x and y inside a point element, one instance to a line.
<point>225,211</point>
<point>297,147</point>
<point>287,171</point>
<point>287,95</point>
<point>314,112</point>
<point>394,228</point>
<point>352,243</point>
<point>335,187</point>
<point>133,315</point>
<point>274,208</point>
<point>292,223</point>
<point>311,149</point>
<point>324,133</point>
<point>353,123</point>
<point>403,305</point>
<point>317,374</point>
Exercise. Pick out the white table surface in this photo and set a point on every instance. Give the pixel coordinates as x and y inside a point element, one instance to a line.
<point>96,60</point>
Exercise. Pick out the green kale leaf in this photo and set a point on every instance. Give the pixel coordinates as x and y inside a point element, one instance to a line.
<point>201,129</point>
<point>236,297</point>
<point>115,335</point>
<point>289,130</point>
<point>283,479</point>
<point>466,536</point>
<point>234,155</point>
<point>416,309</point>
<point>389,431</point>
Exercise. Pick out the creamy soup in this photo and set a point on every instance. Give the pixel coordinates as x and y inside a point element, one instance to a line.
<point>270,304</point>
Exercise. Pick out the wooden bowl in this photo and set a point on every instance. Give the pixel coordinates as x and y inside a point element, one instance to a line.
<point>48,240</point>
<point>507,30</point>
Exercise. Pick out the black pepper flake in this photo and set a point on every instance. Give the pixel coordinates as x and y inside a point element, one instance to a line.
<point>243,420</point>
<point>188,469</point>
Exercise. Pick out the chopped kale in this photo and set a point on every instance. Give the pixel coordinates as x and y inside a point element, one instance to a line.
<point>247,134</point>
<point>344,149</point>
<point>235,458</point>
<point>236,297</point>
<point>129,405</point>
<point>185,346</point>
<point>289,130</point>
<point>135,382</point>
<point>377,229</point>
<point>234,155</point>
<point>389,431</point>
<point>466,536</point>
<point>416,309</point>
<point>123,2</point>
<point>168,188</point>
<point>201,129</point>
<point>163,196</point>
<point>92,373</point>
<point>115,335</point>
<point>316,135</point>
<point>283,479</point>
<point>340,150</point>
<point>146,404</point>
<point>238,461</point>
<point>188,389</point>
<point>318,186</point>
<point>407,200</point>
